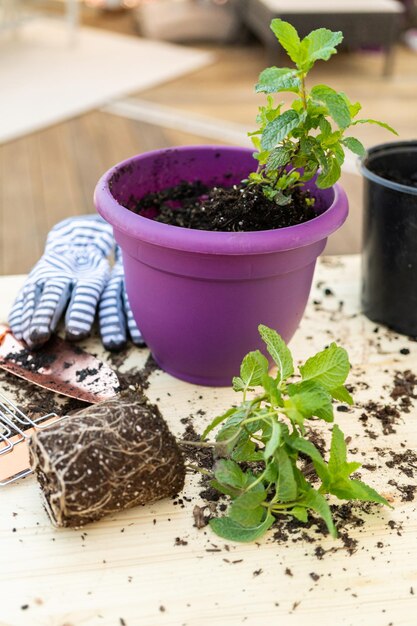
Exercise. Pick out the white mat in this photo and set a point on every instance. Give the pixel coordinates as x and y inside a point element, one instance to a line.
<point>44,80</point>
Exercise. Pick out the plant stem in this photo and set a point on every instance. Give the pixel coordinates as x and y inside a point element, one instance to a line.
<point>303,91</point>
<point>195,468</point>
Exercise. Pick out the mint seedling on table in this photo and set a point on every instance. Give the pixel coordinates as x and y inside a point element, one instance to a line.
<point>310,136</point>
<point>261,440</point>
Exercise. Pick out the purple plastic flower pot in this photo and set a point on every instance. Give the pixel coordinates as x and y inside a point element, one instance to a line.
<point>198,296</point>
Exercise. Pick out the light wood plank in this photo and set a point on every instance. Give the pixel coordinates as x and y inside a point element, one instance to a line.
<point>123,569</point>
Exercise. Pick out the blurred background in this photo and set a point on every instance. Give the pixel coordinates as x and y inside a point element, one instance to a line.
<point>85,84</point>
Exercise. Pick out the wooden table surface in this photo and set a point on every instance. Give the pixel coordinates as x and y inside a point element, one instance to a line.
<point>129,570</point>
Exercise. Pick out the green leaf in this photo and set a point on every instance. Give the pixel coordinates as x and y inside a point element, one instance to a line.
<point>325,127</point>
<point>329,177</point>
<point>271,472</point>
<point>338,454</point>
<point>357,490</point>
<point>279,157</point>
<point>247,510</point>
<point>354,145</point>
<point>245,450</point>
<point>340,484</point>
<point>229,529</point>
<point>254,366</point>
<point>277,79</point>
<point>228,472</point>
<point>382,124</point>
<point>238,384</point>
<point>319,44</point>
<point>309,397</point>
<point>270,386</point>
<point>299,513</point>
<point>342,394</point>
<point>335,103</point>
<point>329,367</point>
<point>286,485</point>
<point>225,489</point>
<point>279,128</point>
<point>279,351</point>
<point>218,420</point>
<point>273,441</point>
<point>308,448</point>
<point>287,37</point>
<point>314,500</point>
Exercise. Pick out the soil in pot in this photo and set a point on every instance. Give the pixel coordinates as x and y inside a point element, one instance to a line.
<point>239,208</point>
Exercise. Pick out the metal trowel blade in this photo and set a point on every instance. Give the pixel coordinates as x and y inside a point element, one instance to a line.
<point>59,366</point>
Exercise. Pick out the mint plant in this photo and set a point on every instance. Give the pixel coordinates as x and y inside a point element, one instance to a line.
<point>263,443</point>
<point>292,145</point>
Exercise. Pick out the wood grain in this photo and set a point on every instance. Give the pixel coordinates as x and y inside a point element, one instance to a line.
<point>127,569</point>
<point>52,174</point>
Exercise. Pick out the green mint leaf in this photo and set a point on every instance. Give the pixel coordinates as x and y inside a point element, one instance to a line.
<point>338,454</point>
<point>238,384</point>
<point>277,79</point>
<point>254,367</point>
<point>274,395</point>
<point>286,484</point>
<point>382,124</point>
<point>245,450</point>
<point>271,472</point>
<point>218,420</point>
<point>354,146</point>
<point>319,44</point>
<point>274,440</point>
<point>288,38</point>
<point>278,157</point>
<point>279,128</point>
<point>247,510</point>
<point>309,397</point>
<point>330,176</point>
<point>299,513</point>
<point>338,152</point>
<point>228,472</point>
<point>329,368</point>
<point>357,490</point>
<point>225,489</point>
<point>308,448</point>
<point>279,351</point>
<point>342,394</point>
<point>227,528</point>
<point>335,103</point>
<point>318,503</point>
<point>325,127</point>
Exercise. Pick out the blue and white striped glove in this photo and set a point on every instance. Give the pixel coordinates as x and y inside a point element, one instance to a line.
<point>73,271</point>
<point>115,314</point>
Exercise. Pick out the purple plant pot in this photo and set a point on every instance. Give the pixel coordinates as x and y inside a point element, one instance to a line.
<point>198,296</point>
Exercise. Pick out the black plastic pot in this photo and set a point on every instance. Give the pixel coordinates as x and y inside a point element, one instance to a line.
<point>389,263</point>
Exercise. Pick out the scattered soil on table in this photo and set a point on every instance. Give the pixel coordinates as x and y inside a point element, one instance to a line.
<point>239,208</point>
<point>403,390</point>
<point>387,415</point>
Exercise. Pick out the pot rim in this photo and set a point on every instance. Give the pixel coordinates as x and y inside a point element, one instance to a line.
<point>393,147</point>
<point>213,242</point>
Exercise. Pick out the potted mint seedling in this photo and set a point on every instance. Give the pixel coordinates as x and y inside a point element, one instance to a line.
<point>242,231</point>
<point>389,260</point>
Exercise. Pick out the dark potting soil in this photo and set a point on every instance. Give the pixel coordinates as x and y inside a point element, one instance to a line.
<point>36,402</point>
<point>229,209</point>
<point>398,177</point>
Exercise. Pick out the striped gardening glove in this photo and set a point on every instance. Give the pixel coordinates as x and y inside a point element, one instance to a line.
<point>71,275</point>
<point>115,315</point>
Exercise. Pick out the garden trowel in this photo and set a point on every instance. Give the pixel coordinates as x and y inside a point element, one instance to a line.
<point>59,366</point>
